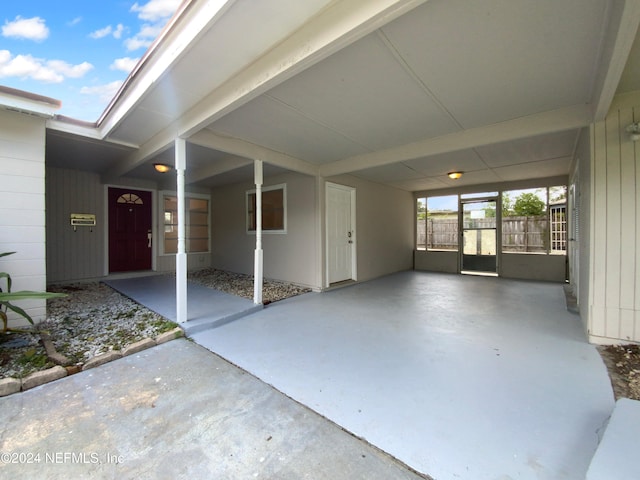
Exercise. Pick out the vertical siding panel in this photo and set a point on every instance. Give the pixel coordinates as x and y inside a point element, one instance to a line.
<point>636,202</point>
<point>599,229</point>
<point>628,238</point>
<point>612,252</point>
<point>74,255</point>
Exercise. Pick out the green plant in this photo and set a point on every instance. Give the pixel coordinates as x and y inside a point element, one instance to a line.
<point>6,297</point>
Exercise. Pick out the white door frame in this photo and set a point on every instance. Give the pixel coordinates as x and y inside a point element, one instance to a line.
<point>354,263</point>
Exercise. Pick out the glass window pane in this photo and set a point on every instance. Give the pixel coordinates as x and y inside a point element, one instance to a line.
<point>197,223</point>
<point>442,223</point>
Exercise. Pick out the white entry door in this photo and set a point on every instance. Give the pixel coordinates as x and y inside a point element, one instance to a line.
<point>340,233</point>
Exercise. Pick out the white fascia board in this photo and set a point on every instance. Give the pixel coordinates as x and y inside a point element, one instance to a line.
<point>547,122</point>
<point>333,29</point>
<point>28,106</point>
<point>179,36</point>
<point>621,33</point>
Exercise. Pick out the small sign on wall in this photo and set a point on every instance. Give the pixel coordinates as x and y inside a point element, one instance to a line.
<point>83,220</point>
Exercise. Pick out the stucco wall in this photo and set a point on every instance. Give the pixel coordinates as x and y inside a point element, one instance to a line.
<point>22,207</point>
<point>614,289</point>
<point>290,256</point>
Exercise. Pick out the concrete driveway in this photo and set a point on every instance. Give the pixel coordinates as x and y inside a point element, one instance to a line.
<point>456,376</point>
<point>176,411</point>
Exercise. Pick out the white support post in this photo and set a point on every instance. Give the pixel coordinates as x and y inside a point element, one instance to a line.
<point>258,264</point>
<point>181,255</point>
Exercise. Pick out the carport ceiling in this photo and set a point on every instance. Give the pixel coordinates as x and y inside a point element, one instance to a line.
<point>444,67</point>
<point>499,89</point>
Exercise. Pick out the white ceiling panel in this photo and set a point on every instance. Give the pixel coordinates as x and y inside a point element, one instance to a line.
<point>545,168</point>
<point>389,173</point>
<point>268,122</point>
<point>496,60</point>
<point>420,184</point>
<point>463,160</point>
<point>364,93</point>
<point>140,124</point>
<point>532,149</point>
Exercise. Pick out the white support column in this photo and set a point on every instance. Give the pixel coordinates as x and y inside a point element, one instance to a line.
<point>258,264</point>
<point>181,255</point>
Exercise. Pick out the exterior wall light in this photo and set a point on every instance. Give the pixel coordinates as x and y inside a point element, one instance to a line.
<point>634,131</point>
<point>455,175</point>
<point>162,167</point>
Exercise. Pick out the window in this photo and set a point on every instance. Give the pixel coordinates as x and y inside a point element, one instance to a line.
<point>274,209</point>
<point>437,223</point>
<point>534,220</point>
<point>197,223</point>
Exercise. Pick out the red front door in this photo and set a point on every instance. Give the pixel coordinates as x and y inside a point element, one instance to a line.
<point>129,230</point>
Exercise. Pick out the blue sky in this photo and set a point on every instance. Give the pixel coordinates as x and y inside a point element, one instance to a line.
<point>77,51</point>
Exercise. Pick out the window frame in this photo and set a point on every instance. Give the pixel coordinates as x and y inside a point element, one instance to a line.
<point>162,224</point>
<point>278,231</point>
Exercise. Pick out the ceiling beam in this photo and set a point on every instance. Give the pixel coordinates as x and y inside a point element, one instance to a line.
<point>547,122</point>
<point>242,148</point>
<point>624,19</point>
<point>334,28</point>
<point>216,168</point>
<point>156,145</point>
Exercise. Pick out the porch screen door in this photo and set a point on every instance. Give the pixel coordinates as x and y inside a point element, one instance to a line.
<point>479,236</point>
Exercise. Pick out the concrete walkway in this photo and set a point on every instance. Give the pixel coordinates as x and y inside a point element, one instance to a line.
<point>207,308</point>
<point>176,411</point>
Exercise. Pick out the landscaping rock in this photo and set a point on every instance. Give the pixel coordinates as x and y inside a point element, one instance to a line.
<point>170,335</point>
<point>9,386</point>
<point>138,346</point>
<point>102,359</point>
<point>44,376</point>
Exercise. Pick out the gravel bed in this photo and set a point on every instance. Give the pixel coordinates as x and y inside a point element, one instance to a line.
<point>241,285</point>
<point>94,319</point>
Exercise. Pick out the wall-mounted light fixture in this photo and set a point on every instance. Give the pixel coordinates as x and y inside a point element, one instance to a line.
<point>454,175</point>
<point>634,131</point>
<point>162,167</point>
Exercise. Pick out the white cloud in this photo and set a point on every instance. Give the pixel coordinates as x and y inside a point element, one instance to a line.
<point>101,33</point>
<point>108,30</point>
<point>125,64</point>
<point>68,70</point>
<point>144,38</point>
<point>74,22</point>
<point>104,92</point>
<point>28,28</point>
<point>119,30</point>
<point>27,66</point>
<point>156,10</point>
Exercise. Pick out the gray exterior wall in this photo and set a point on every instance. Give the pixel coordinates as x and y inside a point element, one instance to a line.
<point>82,254</point>
<point>384,227</point>
<point>290,256</point>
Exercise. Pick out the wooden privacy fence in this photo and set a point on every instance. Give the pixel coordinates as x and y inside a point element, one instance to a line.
<point>519,234</point>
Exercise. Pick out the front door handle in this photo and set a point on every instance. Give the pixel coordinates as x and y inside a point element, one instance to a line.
<point>149,237</point>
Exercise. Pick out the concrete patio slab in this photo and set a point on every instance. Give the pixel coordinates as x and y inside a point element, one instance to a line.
<point>176,411</point>
<point>206,307</point>
<point>456,376</point>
